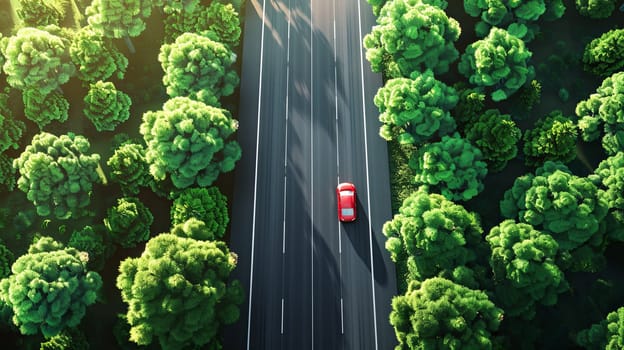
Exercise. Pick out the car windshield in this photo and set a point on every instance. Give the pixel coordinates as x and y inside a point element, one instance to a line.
<point>347,211</point>
<point>346,193</point>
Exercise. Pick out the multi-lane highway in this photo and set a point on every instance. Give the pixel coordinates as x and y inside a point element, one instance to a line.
<point>307,122</point>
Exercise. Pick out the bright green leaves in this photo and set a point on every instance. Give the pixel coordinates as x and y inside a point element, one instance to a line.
<point>497,62</point>
<point>452,167</point>
<point>439,314</point>
<point>496,135</point>
<point>129,168</point>
<point>604,55</point>
<point>413,110</point>
<point>606,334</point>
<point>105,106</point>
<point>604,108</point>
<point>412,36</point>
<point>50,288</point>
<point>205,204</point>
<point>198,67</point>
<point>207,151</point>
<point>129,222</point>
<point>178,292</point>
<point>57,174</point>
<point>595,8</point>
<point>118,18</point>
<point>96,58</point>
<point>552,138</point>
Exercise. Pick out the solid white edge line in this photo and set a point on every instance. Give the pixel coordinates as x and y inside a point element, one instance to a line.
<point>312,163</point>
<point>341,317</point>
<point>370,225</point>
<point>253,224</point>
<point>286,130</point>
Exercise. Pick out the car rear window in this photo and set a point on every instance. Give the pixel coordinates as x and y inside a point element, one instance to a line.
<point>346,193</point>
<point>347,212</point>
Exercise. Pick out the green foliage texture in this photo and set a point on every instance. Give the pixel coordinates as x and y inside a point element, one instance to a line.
<point>95,57</point>
<point>413,110</point>
<point>524,267</point>
<point>498,62</point>
<point>469,107</point>
<point>604,108</point>
<point>558,202</point>
<point>88,241</point>
<point>604,55</point>
<point>106,106</point>
<point>129,168</point>
<point>552,138</point>
<point>607,334</point>
<point>452,167</point>
<point>434,237</point>
<point>11,129</point>
<point>188,140</point>
<point>595,8</point>
<point>7,173</point>
<point>68,339</point>
<point>205,204</point>
<point>57,174</point>
<point>224,21</point>
<point>49,288</point>
<point>178,292</point>
<point>439,314</point>
<point>412,36</point>
<point>129,222</point>
<point>609,175</point>
<point>6,260</point>
<point>198,67</point>
<point>44,109</point>
<point>118,18</point>
<point>36,59</point>
<point>496,135</point>
<point>38,13</point>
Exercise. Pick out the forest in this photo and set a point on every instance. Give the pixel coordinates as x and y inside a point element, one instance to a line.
<point>113,213</point>
<point>505,127</point>
<point>506,152</point>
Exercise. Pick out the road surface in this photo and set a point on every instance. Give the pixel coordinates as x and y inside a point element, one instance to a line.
<point>307,122</point>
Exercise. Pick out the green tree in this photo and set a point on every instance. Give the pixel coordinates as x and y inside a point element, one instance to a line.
<point>106,106</point>
<point>411,36</point>
<point>610,177</point>
<point>39,13</point>
<point>568,207</point>
<point>184,17</point>
<point>11,129</point>
<point>178,292</point>
<point>188,140</point>
<point>439,314</point>
<point>413,110</point>
<point>205,204</point>
<point>432,236</point>
<point>119,18</point>
<point>44,109</point>
<point>198,67</point>
<point>452,167</point>
<point>25,65</point>
<point>95,57</point>
<point>606,334</point>
<point>552,138</point>
<point>469,107</point>
<point>57,174</point>
<point>595,8</point>
<point>498,63</point>
<point>129,222</point>
<point>93,243</point>
<point>7,173</point>
<point>129,168</point>
<point>6,260</point>
<point>68,339</point>
<point>223,20</point>
<point>525,271</point>
<point>496,135</point>
<point>50,288</point>
<point>604,55</point>
<point>604,108</point>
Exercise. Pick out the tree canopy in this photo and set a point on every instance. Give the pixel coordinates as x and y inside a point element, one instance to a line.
<point>49,288</point>
<point>552,138</point>
<point>439,314</point>
<point>607,334</point>
<point>604,55</point>
<point>95,57</point>
<point>410,36</point>
<point>595,8</point>
<point>604,108</point>
<point>206,204</point>
<point>44,109</point>
<point>106,106</point>
<point>129,168</point>
<point>452,167</point>
<point>499,63</point>
<point>118,18</point>
<point>433,236</point>
<point>413,110</point>
<point>178,292</point>
<point>129,222</point>
<point>198,67</point>
<point>36,59</point>
<point>57,174</point>
<point>188,140</point>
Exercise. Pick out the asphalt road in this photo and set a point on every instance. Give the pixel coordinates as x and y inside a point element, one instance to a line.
<point>307,122</point>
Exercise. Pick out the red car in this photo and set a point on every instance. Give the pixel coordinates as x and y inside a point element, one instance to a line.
<point>345,196</point>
